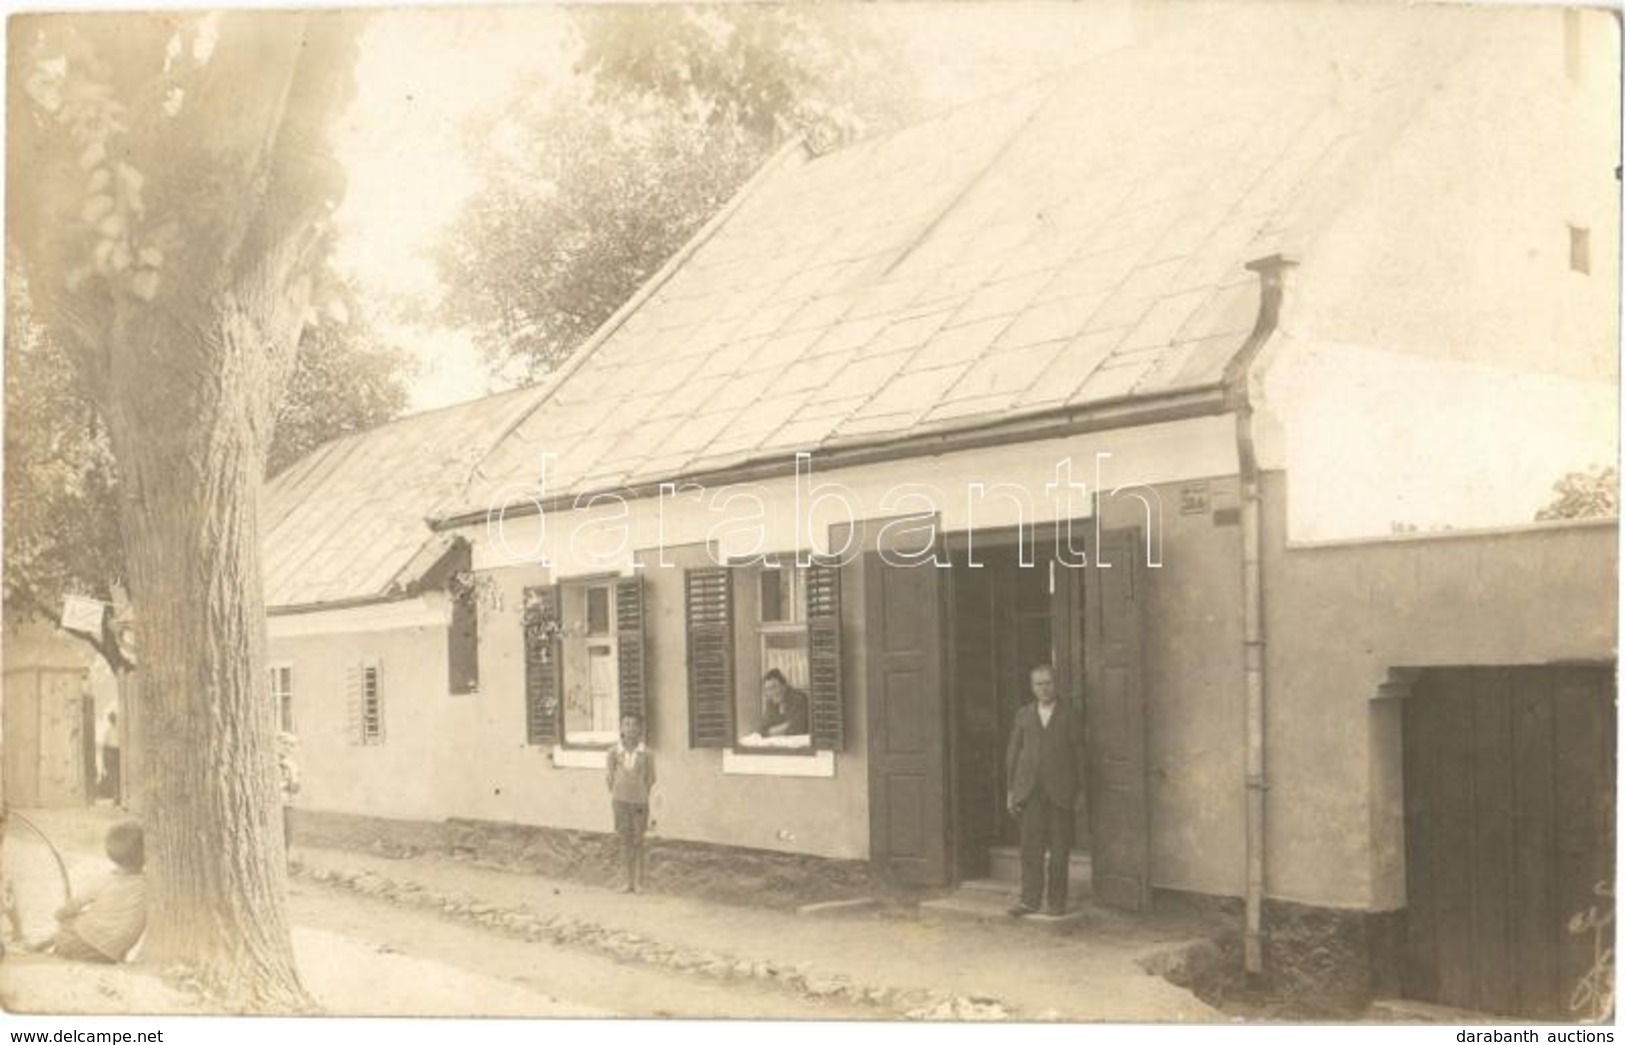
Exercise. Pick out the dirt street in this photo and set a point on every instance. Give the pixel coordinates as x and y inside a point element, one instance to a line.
<point>435,935</point>
<point>361,956</point>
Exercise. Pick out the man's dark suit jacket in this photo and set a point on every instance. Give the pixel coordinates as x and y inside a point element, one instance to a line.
<point>1045,761</point>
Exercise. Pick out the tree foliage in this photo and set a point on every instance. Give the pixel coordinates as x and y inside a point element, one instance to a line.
<point>555,240</point>
<point>1591,494</point>
<point>586,190</point>
<point>761,71</point>
<point>170,192</point>
<point>61,535</point>
<point>345,380</point>
<point>61,526</point>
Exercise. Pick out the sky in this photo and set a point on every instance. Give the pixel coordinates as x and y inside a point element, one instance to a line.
<point>423,73</point>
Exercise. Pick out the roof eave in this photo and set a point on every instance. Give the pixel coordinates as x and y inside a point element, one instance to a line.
<point>1106,415</point>
<point>347,603</point>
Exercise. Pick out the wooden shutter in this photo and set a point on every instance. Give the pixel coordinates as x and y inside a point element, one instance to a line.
<point>373,728</point>
<point>907,721</point>
<point>708,598</point>
<point>629,645</point>
<point>824,655</point>
<point>1114,709</point>
<point>544,665</point>
<point>463,645</point>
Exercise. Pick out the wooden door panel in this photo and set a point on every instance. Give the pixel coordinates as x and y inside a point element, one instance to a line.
<point>1115,718</point>
<point>1421,971</point>
<point>1067,618</point>
<point>1535,914</point>
<point>978,747</point>
<point>1582,833</point>
<point>906,709</point>
<point>907,738</point>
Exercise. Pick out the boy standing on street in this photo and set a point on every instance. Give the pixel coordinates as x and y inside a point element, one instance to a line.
<point>631,779</point>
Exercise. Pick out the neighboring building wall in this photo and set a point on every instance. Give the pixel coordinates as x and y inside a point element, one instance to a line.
<point>1340,616</point>
<point>1439,362</point>
<point>420,770</point>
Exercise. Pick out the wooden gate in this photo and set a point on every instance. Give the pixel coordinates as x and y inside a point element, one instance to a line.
<point>1509,833</point>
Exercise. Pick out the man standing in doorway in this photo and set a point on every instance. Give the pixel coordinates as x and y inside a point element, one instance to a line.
<point>1044,777</point>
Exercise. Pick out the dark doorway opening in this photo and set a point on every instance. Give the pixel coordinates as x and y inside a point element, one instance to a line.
<point>1008,616</point>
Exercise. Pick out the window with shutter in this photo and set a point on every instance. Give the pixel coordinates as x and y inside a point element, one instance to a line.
<point>772,684</point>
<point>364,703</point>
<point>708,600</point>
<point>543,665</point>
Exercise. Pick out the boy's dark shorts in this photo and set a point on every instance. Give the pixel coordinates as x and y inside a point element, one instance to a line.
<point>631,821</point>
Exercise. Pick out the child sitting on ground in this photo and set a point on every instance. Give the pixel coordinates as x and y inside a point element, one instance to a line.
<point>107,924</point>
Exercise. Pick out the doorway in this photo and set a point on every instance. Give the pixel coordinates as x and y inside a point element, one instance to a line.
<point>948,652</point>
<point>1007,617</point>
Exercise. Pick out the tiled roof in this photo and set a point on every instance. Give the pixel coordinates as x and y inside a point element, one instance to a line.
<point>1073,242</point>
<point>348,522</point>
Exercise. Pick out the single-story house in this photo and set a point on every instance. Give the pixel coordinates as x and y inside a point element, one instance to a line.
<point>1225,372</point>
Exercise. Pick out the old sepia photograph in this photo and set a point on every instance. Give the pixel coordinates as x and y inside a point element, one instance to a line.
<point>1007,511</point>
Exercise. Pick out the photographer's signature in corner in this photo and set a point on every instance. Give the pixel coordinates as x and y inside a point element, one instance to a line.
<point>1593,995</point>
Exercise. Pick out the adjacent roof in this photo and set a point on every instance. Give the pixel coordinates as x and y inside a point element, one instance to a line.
<point>347,523</point>
<point>1078,241</point>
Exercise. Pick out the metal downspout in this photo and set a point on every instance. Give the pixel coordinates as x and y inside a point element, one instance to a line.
<point>1271,276</point>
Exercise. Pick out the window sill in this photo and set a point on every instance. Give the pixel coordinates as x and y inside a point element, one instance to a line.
<point>784,762</point>
<point>579,757</point>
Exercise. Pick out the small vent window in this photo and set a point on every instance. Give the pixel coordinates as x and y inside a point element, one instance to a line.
<point>1579,249</point>
<point>372,708</point>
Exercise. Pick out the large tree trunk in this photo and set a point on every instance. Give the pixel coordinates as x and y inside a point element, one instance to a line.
<point>209,792</point>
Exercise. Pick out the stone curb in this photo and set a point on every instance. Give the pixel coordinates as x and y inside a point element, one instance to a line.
<point>633,947</point>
